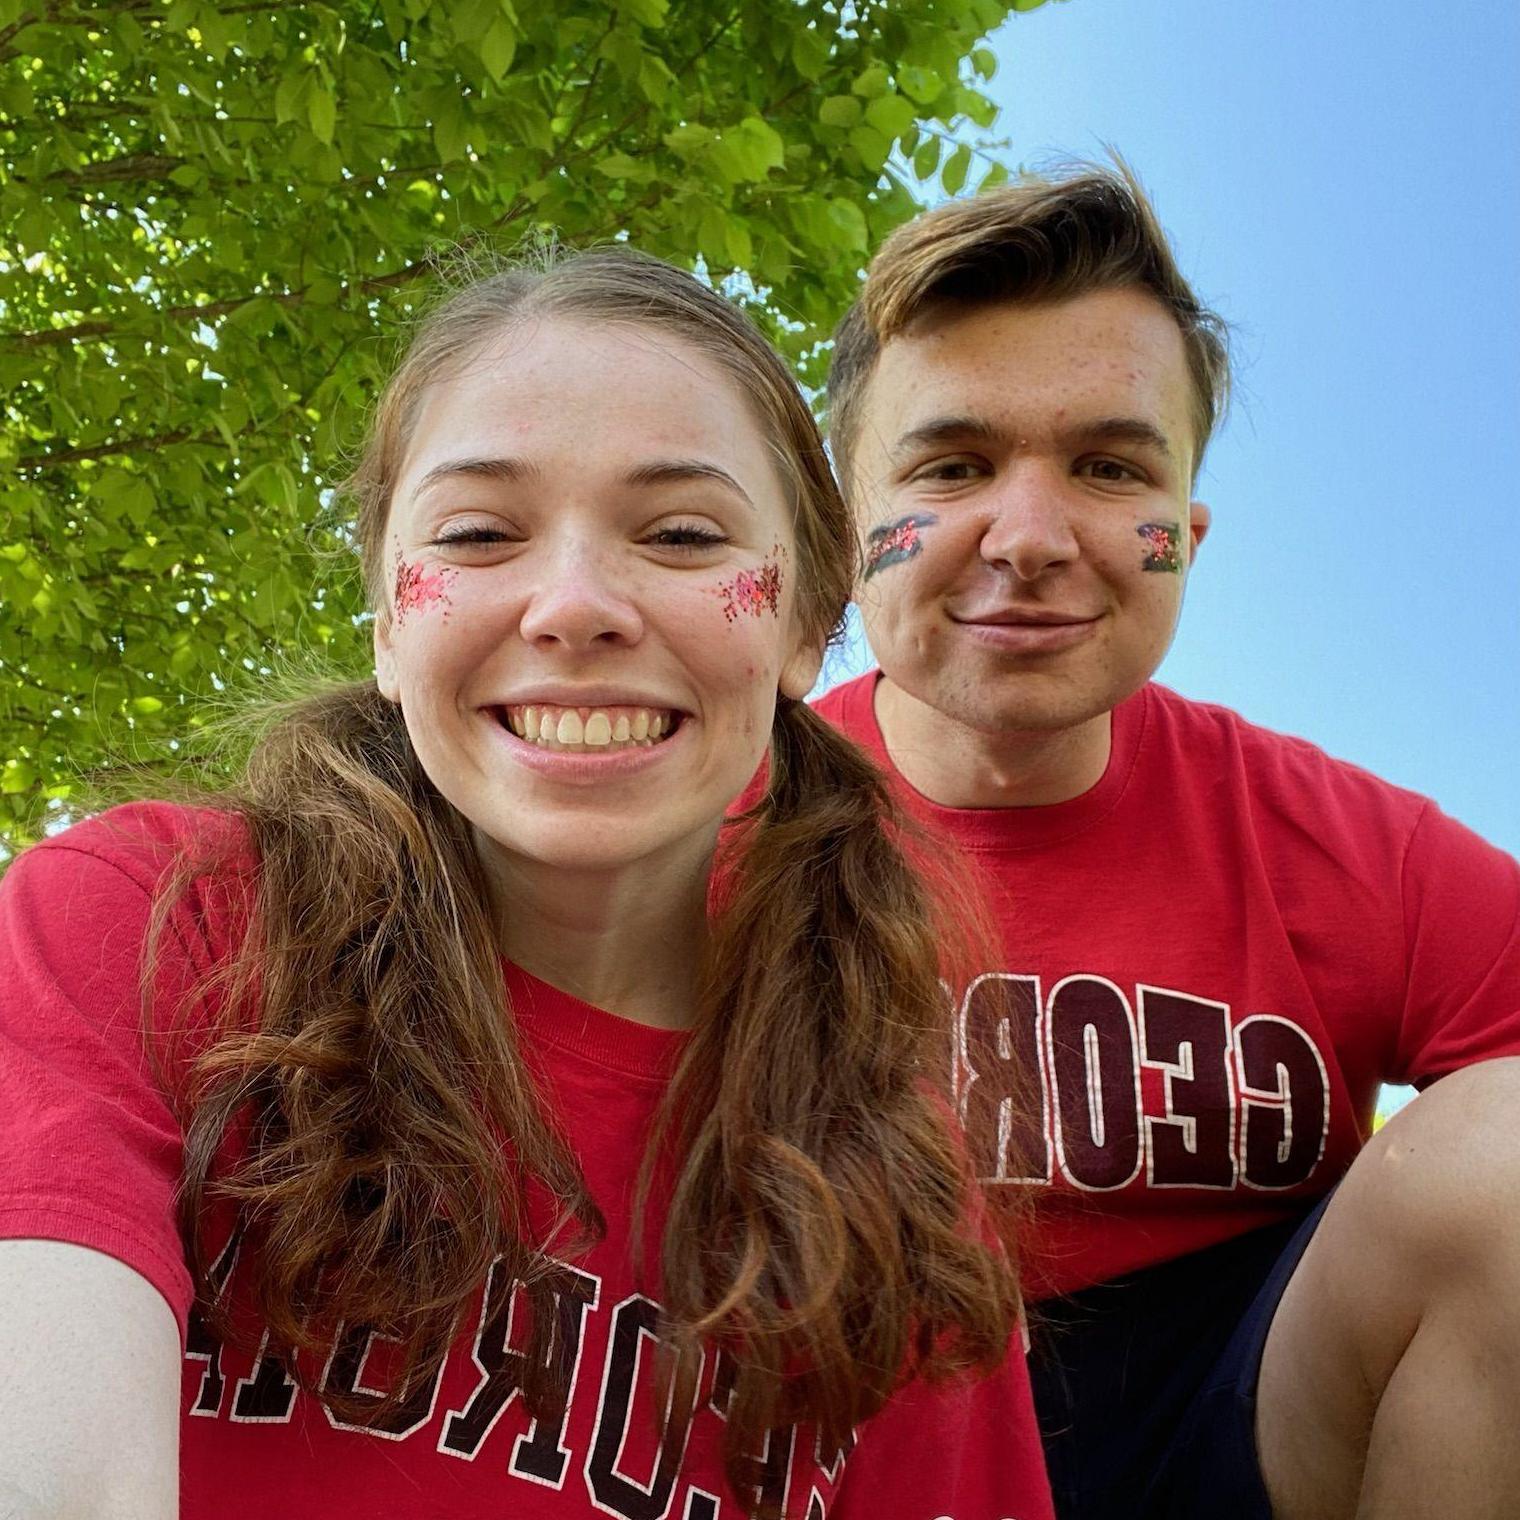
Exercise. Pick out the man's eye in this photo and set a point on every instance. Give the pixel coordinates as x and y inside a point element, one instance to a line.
<point>950,471</point>
<point>1109,469</point>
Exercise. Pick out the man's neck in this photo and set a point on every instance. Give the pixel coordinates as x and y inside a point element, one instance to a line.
<point>962,767</point>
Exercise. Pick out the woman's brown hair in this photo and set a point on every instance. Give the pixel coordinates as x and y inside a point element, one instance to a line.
<point>820,1227</point>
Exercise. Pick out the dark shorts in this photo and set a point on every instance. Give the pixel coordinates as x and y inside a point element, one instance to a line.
<point>1146,1386</point>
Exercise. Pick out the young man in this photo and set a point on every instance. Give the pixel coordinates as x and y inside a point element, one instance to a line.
<point>1217,941</point>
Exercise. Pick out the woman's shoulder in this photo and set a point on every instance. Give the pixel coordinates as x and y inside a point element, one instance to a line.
<point>100,879</point>
<point>143,840</point>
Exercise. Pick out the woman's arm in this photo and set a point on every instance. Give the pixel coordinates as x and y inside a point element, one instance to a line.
<point>89,1391</point>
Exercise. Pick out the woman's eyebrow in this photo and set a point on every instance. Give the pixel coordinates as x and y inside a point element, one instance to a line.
<point>481,469</point>
<point>660,472</point>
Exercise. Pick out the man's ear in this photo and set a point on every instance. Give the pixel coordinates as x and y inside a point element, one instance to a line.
<point>1199,519</point>
<point>800,673</point>
<point>385,658</point>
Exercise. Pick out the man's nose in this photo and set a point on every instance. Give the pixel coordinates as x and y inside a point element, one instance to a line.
<point>581,601</point>
<point>1029,531</point>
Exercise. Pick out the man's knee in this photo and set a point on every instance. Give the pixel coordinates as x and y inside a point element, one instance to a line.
<point>1436,1193</point>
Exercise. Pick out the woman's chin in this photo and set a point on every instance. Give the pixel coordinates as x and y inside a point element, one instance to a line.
<point>600,847</point>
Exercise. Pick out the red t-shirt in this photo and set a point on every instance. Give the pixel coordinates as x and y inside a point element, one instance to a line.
<point>1212,959</point>
<point>93,1156</point>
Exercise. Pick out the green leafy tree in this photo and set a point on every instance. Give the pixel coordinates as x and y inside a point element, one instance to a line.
<point>215,219</point>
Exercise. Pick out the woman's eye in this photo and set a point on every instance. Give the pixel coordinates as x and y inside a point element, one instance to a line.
<point>470,536</point>
<point>690,536</point>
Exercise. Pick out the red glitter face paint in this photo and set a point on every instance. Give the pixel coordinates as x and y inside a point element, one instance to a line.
<point>754,592</point>
<point>418,589</point>
<point>1163,547</point>
<point>896,542</point>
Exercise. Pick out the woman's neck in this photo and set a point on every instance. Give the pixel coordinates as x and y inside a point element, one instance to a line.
<point>630,940</point>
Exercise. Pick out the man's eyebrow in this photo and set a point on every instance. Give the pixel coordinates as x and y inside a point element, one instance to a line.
<point>480,469</point>
<point>660,472</point>
<point>943,430</point>
<point>1126,430</point>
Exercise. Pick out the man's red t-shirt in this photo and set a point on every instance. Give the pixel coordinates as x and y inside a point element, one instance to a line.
<point>92,1156</point>
<point>1212,960</point>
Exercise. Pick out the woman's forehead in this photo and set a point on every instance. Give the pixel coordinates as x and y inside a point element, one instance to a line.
<point>553,392</point>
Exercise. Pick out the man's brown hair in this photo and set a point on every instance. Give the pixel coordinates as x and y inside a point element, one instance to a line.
<point>1045,238</point>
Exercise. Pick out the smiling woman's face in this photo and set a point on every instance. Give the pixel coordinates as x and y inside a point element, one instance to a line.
<point>593,576</point>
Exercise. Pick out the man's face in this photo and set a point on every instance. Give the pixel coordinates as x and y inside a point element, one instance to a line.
<point>1021,485</point>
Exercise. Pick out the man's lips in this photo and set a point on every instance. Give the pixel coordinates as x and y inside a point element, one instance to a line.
<point>1022,617</point>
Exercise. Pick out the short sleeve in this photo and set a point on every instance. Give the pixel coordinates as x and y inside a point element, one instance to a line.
<point>1461,903</point>
<point>92,1149</point>
<point>964,1449</point>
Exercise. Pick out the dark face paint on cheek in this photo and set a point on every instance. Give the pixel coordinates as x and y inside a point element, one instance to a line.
<point>896,542</point>
<point>418,589</point>
<point>755,591</point>
<point>1163,547</point>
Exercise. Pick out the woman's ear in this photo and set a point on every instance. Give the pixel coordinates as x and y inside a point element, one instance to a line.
<point>385,658</point>
<point>800,673</point>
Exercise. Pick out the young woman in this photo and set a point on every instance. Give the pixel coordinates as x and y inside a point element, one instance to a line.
<point>438,1123</point>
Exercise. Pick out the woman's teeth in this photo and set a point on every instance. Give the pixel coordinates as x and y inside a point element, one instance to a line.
<point>582,728</point>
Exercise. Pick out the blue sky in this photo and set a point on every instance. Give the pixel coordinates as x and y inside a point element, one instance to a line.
<point>1342,182</point>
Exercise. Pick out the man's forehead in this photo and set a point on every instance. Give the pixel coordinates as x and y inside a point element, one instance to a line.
<point>1108,361</point>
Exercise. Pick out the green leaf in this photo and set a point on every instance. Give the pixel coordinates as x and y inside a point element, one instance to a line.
<point>957,166</point>
<point>839,111</point>
<point>322,113</point>
<point>688,139</point>
<point>891,115</point>
<point>752,149</point>
<point>873,146</point>
<point>810,52</point>
<point>622,166</point>
<point>849,221</point>
<point>498,48</point>
<point>147,705</point>
<point>650,13</point>
<point>655,79</point>
<point>872,82</point>
<point>472,19</point>
<point>926,160</point>
<point>995,176</point>
<point>741,247</point>
<point>919,84</point>
<point>984,61</point>
<point>17,776</point>
<point>451,132</point>
<point>977,106</point>
<point>290,96</point>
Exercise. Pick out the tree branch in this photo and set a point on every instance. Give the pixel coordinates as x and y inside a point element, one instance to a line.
<point>20,24</point>
<point>51,458</point>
